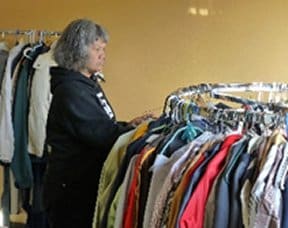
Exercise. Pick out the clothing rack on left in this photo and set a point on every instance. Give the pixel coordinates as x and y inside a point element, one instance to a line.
<point>24,102</point>
<point>33,34</point>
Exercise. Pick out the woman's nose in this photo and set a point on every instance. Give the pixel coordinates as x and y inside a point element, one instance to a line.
<point>102,57</point>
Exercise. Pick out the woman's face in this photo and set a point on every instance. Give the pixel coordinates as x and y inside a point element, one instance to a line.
<point>96,56</point>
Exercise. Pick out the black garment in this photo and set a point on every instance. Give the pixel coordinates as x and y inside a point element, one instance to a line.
<point>17,58</point>
<point>81,129</point>
<point>6,195</point>
<point>32,198</point>
<point>73,207</point>
<point>145,181</point>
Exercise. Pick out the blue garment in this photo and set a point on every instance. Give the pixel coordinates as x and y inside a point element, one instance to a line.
<point>172,144</point>
<point>176,137</point>
<point>235,220</point>
<point>222,202</point>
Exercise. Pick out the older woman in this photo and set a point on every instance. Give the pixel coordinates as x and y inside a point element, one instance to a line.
<point>81,127</point>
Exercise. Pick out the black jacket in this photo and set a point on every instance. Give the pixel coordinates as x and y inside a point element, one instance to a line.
<point>81,128</point>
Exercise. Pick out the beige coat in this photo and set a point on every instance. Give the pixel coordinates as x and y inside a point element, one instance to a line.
<point>40,100</point>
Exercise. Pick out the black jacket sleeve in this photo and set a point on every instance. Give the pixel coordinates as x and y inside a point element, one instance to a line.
<point>86,120</point>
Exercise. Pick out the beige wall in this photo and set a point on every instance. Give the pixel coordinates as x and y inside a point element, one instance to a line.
<point>157,45</point>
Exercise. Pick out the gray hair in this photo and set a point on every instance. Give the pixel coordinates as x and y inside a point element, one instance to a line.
<point>71,50</point>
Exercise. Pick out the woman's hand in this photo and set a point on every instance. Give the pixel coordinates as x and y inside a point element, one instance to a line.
<point>138,120</point>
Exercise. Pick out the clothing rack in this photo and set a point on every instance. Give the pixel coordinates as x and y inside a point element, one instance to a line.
<point>31,33</point>
<point>36,38</point>
<point>184,102</point>
<point>232,87</point>
<point>159,198</point>
<point>217,91</point>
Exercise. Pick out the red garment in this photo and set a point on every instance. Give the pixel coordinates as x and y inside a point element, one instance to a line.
<point>131,210</point>
<point>193,215</point>
<point>174,210</point>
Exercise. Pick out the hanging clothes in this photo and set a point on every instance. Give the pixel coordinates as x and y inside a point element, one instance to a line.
<point>21,168</point>
<point>4,52</point>
<point>40,100</point>
<point>110,167</point>
<point>21,163</point>
<point>206,173</point>
<point>6,126</point>
<point>133,148</point>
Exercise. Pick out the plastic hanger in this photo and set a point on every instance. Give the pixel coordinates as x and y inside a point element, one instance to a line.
<point>32,39</point>
<point>3,44</point>
<point>38,44</point>
<point>191,130</point>
<point>176,112</point>
<point>2,36</point>
<point>16,37</point>
<point>260,93</point>
<point>171,99</point>
<point>26,53</point>
<point>180,111</point>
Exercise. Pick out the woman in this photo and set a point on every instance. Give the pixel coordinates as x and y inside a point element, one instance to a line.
<point>81,126</point>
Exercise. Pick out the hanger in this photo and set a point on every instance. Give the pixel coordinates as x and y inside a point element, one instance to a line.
<point>178,112</point>
<point>3,44</point>
<point>40,41</point>
<point>26,53</point>
<point>41,36</point>
<point>3,36</point>
<point>191,131</point>
<point>169,104</point>
<point>176,102</point>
